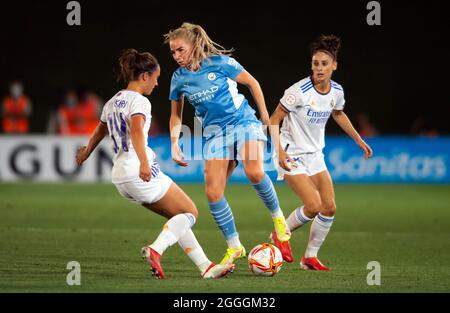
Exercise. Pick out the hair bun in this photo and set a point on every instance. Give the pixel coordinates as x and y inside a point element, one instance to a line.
<point>329,43</point>
<point>132,63</point>
<point>332,42</point>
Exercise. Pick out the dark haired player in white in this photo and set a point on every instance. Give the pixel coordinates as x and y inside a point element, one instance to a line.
<point>136,174</point>
<point>304,110</point>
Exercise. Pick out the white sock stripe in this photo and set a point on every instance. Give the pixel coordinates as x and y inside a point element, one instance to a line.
<point>268,201</point>
<point>220,211</point>
<point>225,211</point>
<point>219,220</point>
<point>265,192</point>
<point>268,196</point>
<point>225,222</point>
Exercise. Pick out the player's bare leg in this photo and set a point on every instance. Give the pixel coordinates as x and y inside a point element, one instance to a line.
<point>325,186</point>
<point>310,190</point>
<point>217,171</point>
<point>231,167</point>
<point>322,222</point>
<point>253,156</point>
<point>176,203</point>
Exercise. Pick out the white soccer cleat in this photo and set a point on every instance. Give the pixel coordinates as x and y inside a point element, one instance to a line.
<point>217,270</point>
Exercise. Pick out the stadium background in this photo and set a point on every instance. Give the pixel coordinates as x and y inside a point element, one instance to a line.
<point>396,73</point>
<point>388,71</point>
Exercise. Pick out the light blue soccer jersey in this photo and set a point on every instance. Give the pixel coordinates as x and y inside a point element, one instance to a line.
<point>213,92</point>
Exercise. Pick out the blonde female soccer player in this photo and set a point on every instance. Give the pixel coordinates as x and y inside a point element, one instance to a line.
<point>136,174</point>
<point>207,78</point>
<point>304,110</point>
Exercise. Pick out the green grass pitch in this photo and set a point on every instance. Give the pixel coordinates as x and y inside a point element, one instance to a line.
<point>43,227</point>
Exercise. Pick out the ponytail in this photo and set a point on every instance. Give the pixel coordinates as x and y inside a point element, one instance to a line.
<point>132,64</point>
<point>202,45</point>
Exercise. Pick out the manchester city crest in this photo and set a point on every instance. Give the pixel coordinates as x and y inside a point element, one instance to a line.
<point>211,76</point>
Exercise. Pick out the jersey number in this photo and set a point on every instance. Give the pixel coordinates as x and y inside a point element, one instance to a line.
<point>121,130</point>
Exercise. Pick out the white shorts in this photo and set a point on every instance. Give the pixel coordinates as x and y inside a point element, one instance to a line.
<point>145,192</point>
<point>306,163</point>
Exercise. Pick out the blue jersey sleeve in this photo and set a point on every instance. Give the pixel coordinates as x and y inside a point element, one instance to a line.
<point>231,67</point>
<point>174,93</point>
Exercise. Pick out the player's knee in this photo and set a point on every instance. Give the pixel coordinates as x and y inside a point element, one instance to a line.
<point>193,210</point>
<point>329,209</point>
<point>194,213</point>
<point>213,195</point>
<point>312,208</point>
<point>255,175</point>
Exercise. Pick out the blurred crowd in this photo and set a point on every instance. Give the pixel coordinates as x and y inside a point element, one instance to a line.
<point>77,113</point>
<point>16,110</point>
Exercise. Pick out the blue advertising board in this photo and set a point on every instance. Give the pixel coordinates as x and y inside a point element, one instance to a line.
<point>395,160</point>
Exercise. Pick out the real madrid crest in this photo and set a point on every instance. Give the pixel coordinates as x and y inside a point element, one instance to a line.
<point>332,103</point>
<point>290,99</point>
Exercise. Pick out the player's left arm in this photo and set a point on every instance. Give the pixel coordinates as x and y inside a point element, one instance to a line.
<point>344,122</point>
<point>245,78</point>
<point>97,136</point>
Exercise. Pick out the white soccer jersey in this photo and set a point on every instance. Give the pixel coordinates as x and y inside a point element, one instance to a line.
<point>304,127</point>
<point>117,114</point>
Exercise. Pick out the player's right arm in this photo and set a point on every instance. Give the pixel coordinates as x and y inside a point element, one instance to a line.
<point>290,101</point>
<point>97,136</point>
<point>176,118</point>
<point>275,120</point>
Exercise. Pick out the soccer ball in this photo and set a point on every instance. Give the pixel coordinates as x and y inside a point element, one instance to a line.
<point>265,260</point>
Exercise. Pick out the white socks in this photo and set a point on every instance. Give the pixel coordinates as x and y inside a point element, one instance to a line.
<point>175,228</point>
<point>277,213</point>
<point>234,242</point>
<point>297,219</point>
<point>178,228</point>
<point>188,242</point>
<point>319,231</point>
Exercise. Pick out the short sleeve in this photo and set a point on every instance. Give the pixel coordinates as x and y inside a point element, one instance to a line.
<point>103,115</point>
<point>231,67</point>
<point>140,106</point>
<point>340,101</point>
<point>291,99</point>
<point>174,93</point>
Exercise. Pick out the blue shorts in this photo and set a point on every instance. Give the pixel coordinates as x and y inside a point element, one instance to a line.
<point>228,143</point>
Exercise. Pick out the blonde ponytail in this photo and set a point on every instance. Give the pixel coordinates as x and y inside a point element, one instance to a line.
<point>202,45</point>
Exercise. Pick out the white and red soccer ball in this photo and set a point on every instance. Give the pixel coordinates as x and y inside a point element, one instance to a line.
<point>265,260</point>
